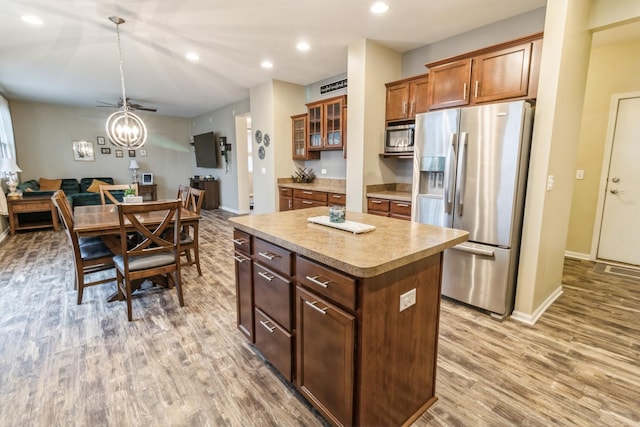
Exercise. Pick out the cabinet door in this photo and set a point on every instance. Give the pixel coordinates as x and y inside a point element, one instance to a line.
<point>325,356</point>
<point>419,96</point>
<point>502,75</point>
<point>333,125</point>
<point>244,294</point>
<point>299,139</point>
<point>286,203</point>
<point>397,101</point>
<point>449,84</point>
<point>314,127</point>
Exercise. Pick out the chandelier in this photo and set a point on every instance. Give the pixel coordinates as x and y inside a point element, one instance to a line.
<point>124,128</point>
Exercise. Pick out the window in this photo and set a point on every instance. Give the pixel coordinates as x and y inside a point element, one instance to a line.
<point>7,144</point>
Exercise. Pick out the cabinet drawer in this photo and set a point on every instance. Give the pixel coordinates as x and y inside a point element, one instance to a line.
<point>400,208</point>
<point>272,294</point>
<point>303,204</point>
<point>242,241</point>
<point>377,204</point>
<point>319,196</point>
<point>336,199</point>
<point>31,206</point>
<point>272,256</point>
<point>326,282</point>
<point>286,192</point>
<point>274,343</point>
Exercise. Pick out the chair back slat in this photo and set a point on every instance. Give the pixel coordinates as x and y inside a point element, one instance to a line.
<point>196,197</point>
<point>105,191</point>
<point>183,194</point>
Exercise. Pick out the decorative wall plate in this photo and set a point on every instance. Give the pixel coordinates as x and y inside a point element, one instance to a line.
<point>261,153</point>
<point>266,139</point>
<point>258,136</point>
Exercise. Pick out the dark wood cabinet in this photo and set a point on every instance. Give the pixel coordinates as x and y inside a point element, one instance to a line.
<point>244,282</point>
<point>211,192</point>
<point>326,124</point>
<point>295,198</point>
<point>406,98</point>
<point>501,72</point>
<point>391,208</point>
<point>299,139</point>
<point>286,198</point>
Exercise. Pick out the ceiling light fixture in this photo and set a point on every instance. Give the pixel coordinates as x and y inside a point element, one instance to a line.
<point>303,46</point>
<point>192,56</point>
<point>266,64</point>
<point>124,128</point>
<point>31,19</point>
<point>379,7</point>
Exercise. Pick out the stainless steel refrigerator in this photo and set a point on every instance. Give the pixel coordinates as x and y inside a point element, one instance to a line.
<point>470,172</point>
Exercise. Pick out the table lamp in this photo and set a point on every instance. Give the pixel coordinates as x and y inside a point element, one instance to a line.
<point>134,167</point>
<point>11,169</point>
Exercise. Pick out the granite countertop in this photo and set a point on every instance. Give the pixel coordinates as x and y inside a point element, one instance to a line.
<point>394,243</point>
<point>319,184</point>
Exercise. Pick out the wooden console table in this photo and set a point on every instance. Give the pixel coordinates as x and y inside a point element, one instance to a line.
<point>211,192</point>
<point>31,204</point>
<point>148,192</point>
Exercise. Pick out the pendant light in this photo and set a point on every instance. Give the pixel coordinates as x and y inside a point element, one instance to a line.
<point>124,128</point>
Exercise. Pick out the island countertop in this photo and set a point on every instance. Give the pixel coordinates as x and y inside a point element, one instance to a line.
<point>394,243</point>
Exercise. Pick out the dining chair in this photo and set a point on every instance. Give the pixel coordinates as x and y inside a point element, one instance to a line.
<point>90,254</point>
<point>183,194</point>
<point>105,190</point>
<point>189,234</point>
<point>157,253</point>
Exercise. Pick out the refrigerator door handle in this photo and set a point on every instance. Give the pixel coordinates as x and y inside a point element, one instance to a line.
<point>462,172</point>
<point>448,174</point>
<point>474,250</point>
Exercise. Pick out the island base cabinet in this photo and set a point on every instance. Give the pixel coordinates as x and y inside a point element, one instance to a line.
<point>325,351</point>
<point>275,343</point>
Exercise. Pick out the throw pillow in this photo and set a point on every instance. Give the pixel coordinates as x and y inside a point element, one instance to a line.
<point>95,186</point>
<point>50,184</point>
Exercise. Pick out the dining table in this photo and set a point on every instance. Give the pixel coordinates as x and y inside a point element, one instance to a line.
<point>103,221</point>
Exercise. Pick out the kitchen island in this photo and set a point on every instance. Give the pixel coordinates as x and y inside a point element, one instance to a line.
<point>350,319</point>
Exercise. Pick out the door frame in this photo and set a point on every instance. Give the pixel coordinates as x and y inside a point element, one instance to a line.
<point>606,164</point>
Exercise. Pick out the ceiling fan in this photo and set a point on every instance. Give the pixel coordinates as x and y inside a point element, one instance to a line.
<point>130,105</point>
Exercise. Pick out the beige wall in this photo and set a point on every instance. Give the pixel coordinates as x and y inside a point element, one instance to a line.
<point>613,69</point>
<point>44,135</point>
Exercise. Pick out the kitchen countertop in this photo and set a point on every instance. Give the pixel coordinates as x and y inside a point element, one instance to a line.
<point>394,243</point>
<point>319,184</point>
<point>401,196</point>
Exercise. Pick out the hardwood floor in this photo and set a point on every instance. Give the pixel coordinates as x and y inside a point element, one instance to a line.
<point>64,364</point>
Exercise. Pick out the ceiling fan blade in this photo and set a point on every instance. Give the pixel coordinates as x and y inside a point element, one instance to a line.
<point>147,109</point>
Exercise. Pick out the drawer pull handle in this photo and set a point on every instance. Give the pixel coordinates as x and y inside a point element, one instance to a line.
<point>239,259</point>
<point>402,205</point>
<point>239,241</point>
<point>268,255</point>
<point>377,202</point>
<point>265,324</point>
<point>307,202</point>
<point>269,277</point>
<point>313,305</point>
<point>315,280</point>
<point>307,192</point>
<point>337,197</point>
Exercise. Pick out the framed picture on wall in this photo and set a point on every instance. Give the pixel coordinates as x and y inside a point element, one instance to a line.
<point>119,153</point>
<point>132,153</point>
<point>83,151</point>
<point>101,140</point>
<point>143,152</point>
<point>105,150</point>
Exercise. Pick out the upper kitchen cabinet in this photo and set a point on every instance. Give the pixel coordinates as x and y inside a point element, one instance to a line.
<point>501,72</point>
<point>326,124</point>
<point>406,98</point>
<point>299,139</point>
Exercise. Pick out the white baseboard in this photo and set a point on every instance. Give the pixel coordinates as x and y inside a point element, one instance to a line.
<point>578,255</point>
<point>234,211</point>
<point>531,319</point>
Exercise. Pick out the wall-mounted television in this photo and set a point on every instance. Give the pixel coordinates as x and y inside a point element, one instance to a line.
<point>206,150</point>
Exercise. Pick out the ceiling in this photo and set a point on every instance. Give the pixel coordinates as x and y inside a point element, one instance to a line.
<point>72,58</point>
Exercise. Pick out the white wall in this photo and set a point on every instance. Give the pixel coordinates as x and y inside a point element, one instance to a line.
<point>44,135</point>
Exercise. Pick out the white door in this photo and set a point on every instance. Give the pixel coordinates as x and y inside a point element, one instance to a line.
<point>620,231</point>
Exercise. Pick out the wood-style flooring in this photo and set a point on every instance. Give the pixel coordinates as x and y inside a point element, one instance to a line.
<point>67,365</point>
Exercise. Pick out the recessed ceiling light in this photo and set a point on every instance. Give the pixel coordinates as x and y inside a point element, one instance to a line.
<point>192,56</point>
<point>379,7</point>
<point>303,46</point>
<point>31,19</point>
<point>266,64</point>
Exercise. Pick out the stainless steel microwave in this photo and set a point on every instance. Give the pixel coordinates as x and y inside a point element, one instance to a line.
<point>399,139</point>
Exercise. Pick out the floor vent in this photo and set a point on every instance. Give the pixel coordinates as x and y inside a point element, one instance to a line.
<point>617,270</point>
